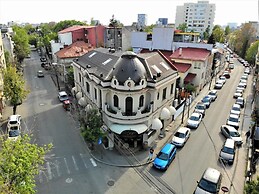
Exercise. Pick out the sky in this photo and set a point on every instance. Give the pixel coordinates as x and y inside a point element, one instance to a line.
<point>126,11</point>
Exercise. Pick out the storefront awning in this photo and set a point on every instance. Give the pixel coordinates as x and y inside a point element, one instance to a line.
<point>118,128</point>
<point>165,114</point>
<point>156,124</point>
<point>189,77</point>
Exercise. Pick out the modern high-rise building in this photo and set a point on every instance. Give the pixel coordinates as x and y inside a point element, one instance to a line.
<point>142,21</point>
<point>197,16</point>
<point>163,21</point>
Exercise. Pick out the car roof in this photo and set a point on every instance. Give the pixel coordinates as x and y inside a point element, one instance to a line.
<point>195,114</point>
<point>167,148</point>
<point>229,143</point>
<point>62,93</point>
<point>240,98</point>
<point>183,129</point>
<point>14,117</point>
<point>211,175</point>
<point>233,116</point>
<point>230,128</point>
<point>236,105</point>
<point>213,91</point>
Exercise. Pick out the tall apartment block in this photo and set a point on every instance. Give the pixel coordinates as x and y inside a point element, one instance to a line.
<point>197,16</point>
<point>142,21</point>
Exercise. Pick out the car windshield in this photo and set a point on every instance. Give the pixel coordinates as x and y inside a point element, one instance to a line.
<point>236,108</point>
<point>13,133</point>
<point>240,101</point>
<point>194,118</point>
<point>228,150</point>
<point>208,186</point>
<point>200,107</point>
<point>180,135</point>
<point>63,96</point>
<point>205,99</point>
<point>13,122</point>
<point>232,119</point>
<point>234,134</point>
<point>14,128</point>
<point>162,156</point>
<point>212,94</point>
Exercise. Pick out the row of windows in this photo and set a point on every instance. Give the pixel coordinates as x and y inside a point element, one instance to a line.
<point>116,101</point>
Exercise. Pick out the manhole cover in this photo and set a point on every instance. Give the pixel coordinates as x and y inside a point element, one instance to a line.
<point>110,182</point>
<point>69,180</point>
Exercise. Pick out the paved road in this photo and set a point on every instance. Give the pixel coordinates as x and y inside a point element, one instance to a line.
<point>69,168</point>
<point>203,147</point>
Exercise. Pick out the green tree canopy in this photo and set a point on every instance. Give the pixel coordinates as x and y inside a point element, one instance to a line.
<point>21,43</point>
<point>67,23</point>
<point>227,30</point>
<point>20,161</point>
<point>206,34</point>
<point>251,52</point>
<point>252,187</point>
<point>182,27</point>
<point>14,87</point>
<point>149,29</point>
<point>211,39</point>
<point>218,34</point>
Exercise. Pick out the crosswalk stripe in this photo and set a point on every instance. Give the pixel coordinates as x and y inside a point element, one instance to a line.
<point>82,157</point>
<point>93,162</point>
<point>49,171</point>
<point>73,158</point>
<point>68,171</point>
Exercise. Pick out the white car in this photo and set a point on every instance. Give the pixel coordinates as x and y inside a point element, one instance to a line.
<point>200,108</point>
<point>219,84</point>
<point>233,120</point>
<point>247,71</point>
<point>236,109</point>
<point>194,120</point>
<point>238,93</point>
<point>181,136</point>
<point>244,77</point>
<point>242,85</point>
<point>240,101</point>
<point>231,132</point>
<point>223,78</point>
<point>62,96</point>
<point>213,94</point>
<point>14,121</point>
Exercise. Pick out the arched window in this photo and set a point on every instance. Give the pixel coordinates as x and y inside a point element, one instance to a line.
<point>115,101</point>
<point>141,101</point>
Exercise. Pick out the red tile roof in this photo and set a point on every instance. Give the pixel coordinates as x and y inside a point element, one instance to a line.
<point>182,67</point>
<point>76,49</point>
<point>195,54</point>
<point>73,28</point>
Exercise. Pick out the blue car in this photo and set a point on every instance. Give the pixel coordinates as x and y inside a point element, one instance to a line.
<point>165,157</point>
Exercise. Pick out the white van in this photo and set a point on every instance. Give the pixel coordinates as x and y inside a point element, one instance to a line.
<point>227,153</point>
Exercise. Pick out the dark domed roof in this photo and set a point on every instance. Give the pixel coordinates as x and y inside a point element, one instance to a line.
<point>129,66</point>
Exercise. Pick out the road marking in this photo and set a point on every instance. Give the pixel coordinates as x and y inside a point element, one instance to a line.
<point>40,176</point>
<point>83,160</point>
<point>76,167</point>
<point>93,162</point>
<point>57,167</point>
<point>49,171</point>
<point>68,171</point>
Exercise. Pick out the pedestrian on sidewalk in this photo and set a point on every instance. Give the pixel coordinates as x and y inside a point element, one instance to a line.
<point>248,134</point>
<point>151,152</point>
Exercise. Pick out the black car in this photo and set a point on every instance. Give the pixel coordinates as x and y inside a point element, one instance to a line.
<point>43,59</point>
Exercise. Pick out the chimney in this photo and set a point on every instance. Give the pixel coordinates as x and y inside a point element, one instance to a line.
<point>180,51</point>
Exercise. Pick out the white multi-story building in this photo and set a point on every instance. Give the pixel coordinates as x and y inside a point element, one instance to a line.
<point>142,20</point>
<point>197,16</point>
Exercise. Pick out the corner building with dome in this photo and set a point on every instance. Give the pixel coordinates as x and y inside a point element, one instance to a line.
<point>134,94</point>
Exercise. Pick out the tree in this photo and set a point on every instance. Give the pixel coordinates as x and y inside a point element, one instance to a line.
<point>92,130</point>
<point>67,23</point>
<point>218,34</point>
<point>206,33</point>
<point>7,57</point>
<point>14,87</point>
<point>252,187</point>
<point>21,43</point>
<point>182,27</point>
<point>251,52</point>
<point>227,31</point>
<point>20,161</point>
<point>149,29</point>
<point>211,39</point>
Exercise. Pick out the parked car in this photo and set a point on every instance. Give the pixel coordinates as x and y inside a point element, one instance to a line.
<point>13,121</point>
<point>219,84</point>
<point>236,109</point>
<point>207,101</point>
<point>240,101</point>
<point>247,71</point>
<point>181,136</point>
<point>228,151</point>
<point>194,120</point>
<point>165,157</point>
<point>233,120</point>
<point>62,96</point>
<point>242,84</point>
<point>223,78</point>
<point>226,74</point>
<point>230,132</point>
<point>200,108</point>
<point>210,182</point>
<point>238,93</point>
<point>213,94</point>
<point>14,135</point>
<point>244,77</point>
<point>40,73</point>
